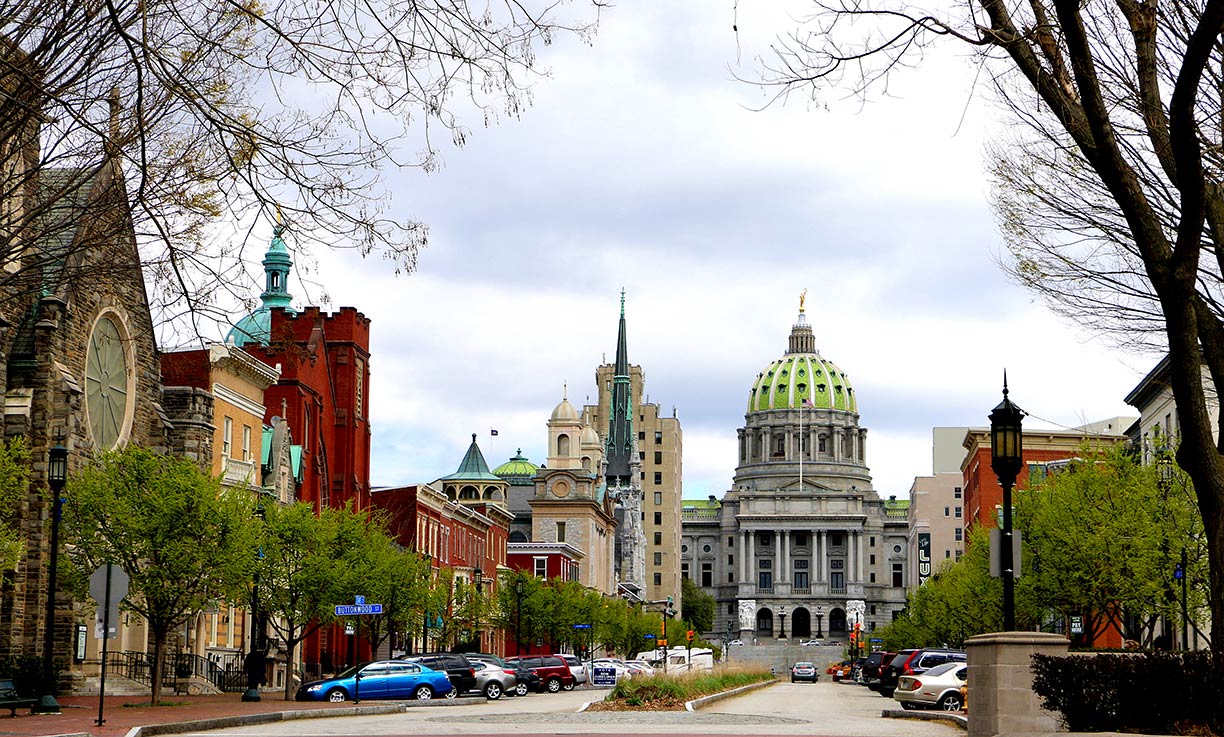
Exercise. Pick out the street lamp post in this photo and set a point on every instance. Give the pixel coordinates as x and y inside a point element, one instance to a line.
<point>819,617</point>
<point>57,477</point>
<point>255,658</point>
<point>782,626</point>
<point>1006,459</point>
<point>478,575</point>
<point>518,616</point>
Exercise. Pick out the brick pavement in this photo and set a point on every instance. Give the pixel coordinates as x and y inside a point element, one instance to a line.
<point>125,712</point>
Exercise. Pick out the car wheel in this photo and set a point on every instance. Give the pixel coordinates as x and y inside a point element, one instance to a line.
<point>520,689</point>
<point>950,702</point>
<point>909,705</point>
<point>423,693</point>
<point>554,684</point>
<point>569,686</point>
<point>453,693</point>
<point>336,695</point>
<point>493,690</point>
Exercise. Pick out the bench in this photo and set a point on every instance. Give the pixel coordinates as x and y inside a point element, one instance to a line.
<point>9,699</point>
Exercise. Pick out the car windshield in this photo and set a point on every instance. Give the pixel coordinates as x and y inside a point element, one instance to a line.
<point>939,670</point>
<point>804,665</point>
<point>351,671</point>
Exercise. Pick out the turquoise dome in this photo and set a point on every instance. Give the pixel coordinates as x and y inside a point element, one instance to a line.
<point>802,374</point>
<point>257,326</point>
<point>254,328</point>
<point>517,468</point>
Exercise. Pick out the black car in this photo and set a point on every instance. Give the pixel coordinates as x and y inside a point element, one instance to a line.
<point>457,667</point>
<point>913,662</point>
<point>874,665</point>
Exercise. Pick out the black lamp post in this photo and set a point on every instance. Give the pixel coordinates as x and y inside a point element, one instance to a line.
<point>518,615</point>
<point>57,477</point>
<point>1006,459</point>
<point>478,576</point>
<point>255,658</point>
<point>819,617</point>
<point>782,626</point>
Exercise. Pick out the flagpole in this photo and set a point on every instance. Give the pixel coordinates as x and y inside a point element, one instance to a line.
<point>801,444</point>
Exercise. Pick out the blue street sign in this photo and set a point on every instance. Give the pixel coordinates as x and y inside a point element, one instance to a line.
<point>359,600</point>
<point>349,610</point>
<point>650,637</point>
<point>582,626</point>
<point>1178,573</point>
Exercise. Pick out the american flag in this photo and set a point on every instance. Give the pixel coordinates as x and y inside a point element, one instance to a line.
<point>492,432</point>
<point>808,403</point>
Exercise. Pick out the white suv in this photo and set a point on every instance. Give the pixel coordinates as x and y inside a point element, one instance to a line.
<point>576,668</point>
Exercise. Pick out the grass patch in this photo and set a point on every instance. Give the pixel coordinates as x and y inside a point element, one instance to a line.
<point>662,692</point>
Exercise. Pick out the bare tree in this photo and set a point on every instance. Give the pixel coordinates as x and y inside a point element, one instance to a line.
<point>228,109</point>
<point>1109,194</point>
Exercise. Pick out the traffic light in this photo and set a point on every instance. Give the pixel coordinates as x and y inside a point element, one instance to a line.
<point>689,636</point>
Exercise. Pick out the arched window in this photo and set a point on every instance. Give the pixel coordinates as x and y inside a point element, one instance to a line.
<point>586,463</point>
<point>469,492</point>
<point>518,536</point>
<point>764,623</point>
<point>563,445</point>
<point>493,494</point>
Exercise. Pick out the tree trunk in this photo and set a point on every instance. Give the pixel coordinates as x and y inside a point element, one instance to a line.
<point>155,667</point>
<point>290,648</point>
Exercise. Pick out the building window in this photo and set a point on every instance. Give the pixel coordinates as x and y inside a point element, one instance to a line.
<point>706,548</point>
<point>658,518</point>
<point>658,579</point>
<point>246,442</point>
<point>359,394</point>
<point>872,557</point>
<point>641,436</point>
<point>563,445</point>
<point>959,533</point>
<point>821,444</point>
<point>731,608</point>
<point>707,574</point>
<point>730,559</point>
<point>837,565</point>
<point>658,438</point>
<point>227,438</point>
<point>765,579</point>
<point>947,553</point>
<point>837,539</point>
<point>871,541</point>
<point>801,579</point>
<point>642,456</point>
<point>560,532</point>
<point>957,512</point>
<point>731,541</point>
<point>765,539</point>
<point>801,564</point>
<point>897,572</point>
<point>658,540</point>
<point>541,567</point>
<point>658,457</point>
<point>872,577</point>
<point>658,497</point>
<point>956,492</point>
<point>658,559</point>
<point>766,564</point>
<point>658,477</point>
<point>684,570</point>
<point>837,582</point>
<point>730,577</point>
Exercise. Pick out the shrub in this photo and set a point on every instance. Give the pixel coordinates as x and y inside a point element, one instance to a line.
<point>670,689</point>
<point>1145,693</point>
<point>26,672</point>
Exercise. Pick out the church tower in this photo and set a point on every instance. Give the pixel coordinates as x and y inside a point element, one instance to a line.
<point>623,471</point>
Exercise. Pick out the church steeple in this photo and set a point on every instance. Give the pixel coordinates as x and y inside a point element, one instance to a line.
<point>276,265</point>
<point>620,422</point>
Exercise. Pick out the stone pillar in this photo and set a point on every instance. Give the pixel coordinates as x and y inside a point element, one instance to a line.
<point>1001,694</point>
<point>784,562</point>
<point>862,559</point>
<point>748,555</point>
<point>824,556</point>
<point>837,444</point>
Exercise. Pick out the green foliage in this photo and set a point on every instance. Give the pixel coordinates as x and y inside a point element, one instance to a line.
<point>14,483</point>
<point>666,689</point>
<point>1145,693</point>
<point>182,540</point>
<point>696,606</point>
<point>26,673</point>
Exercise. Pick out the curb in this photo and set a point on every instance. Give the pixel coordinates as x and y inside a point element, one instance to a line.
<point>199,725</point>
<point>931,716</point>
<point>696,704</point>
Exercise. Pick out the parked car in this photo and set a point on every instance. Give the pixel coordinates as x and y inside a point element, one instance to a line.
<point>458,668</point>
<point>639,668</point>
<point>735,643</point>
<point>804,671</point>
<point>812,643</point>
<point>914,662</point>
<point>384,679</point>
<point>839,670</point>
<point>939,687</point>
<point>553,672</point>
<point>525,680</point>
<point>494,680</point>
<point>622,669</point>
<point>577,669</point>
<point>873,666</point>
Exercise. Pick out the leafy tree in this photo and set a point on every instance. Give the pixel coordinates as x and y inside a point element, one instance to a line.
<point>696,606</point>
<point>1110,181</point>
<point>226,109</point>
<point>1098,538</point>
<point>14,481</point>
<point>300,572</point>
<point>399,580</point>
<point>180,538</point>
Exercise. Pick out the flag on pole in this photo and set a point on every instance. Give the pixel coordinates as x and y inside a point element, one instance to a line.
<point>492,432</point>
<point>808,403</point>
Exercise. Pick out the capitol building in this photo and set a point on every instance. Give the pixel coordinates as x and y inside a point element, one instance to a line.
<point>801,546</point>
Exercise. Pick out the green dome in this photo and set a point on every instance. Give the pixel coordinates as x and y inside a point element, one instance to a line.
<point>516,468</point>
<point>802,375</point>
<point>254,328</point>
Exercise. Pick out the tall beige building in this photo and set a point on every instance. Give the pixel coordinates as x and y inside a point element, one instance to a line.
<point>936,525</point>
<point>639,442</point>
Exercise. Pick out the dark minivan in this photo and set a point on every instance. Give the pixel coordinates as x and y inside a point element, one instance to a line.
<point>457,667</point>
<point>553,672</point>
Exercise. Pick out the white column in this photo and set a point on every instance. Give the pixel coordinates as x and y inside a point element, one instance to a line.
<point>837,444</point>
<point>862,559</point>
<point>748,545</point>
<point>824,555</point>
<point>743,559</point>
<point>784,567</point>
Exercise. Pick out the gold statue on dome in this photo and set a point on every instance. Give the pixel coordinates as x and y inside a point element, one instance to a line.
<point>801,298</point>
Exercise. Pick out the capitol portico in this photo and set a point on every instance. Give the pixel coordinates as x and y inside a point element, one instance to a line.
<point>801,546</point>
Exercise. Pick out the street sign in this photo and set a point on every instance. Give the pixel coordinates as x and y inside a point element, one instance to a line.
<point>582,626</point>
<point>877,639</point>
<point>603,676</point>
<point>1178,573</point>
<point>1077,624</point>
<point>351,610</point>
<point>349,628</point>
<point>108,585</point>
<point>649,636</point>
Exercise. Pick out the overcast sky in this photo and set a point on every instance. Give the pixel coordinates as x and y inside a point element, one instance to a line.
<point>642,164</point>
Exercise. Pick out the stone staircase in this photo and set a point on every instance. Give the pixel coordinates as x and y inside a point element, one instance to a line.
<point>782,654</point>
<point>116,685</point>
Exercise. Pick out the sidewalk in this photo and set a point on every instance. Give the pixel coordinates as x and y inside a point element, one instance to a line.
<point>122,713</point>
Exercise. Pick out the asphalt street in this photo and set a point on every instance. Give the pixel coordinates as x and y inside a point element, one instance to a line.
<point>805,709</point>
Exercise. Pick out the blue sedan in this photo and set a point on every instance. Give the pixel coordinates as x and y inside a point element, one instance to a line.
<point>385,679</point>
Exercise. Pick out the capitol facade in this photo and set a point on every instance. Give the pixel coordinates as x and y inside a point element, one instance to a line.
<point>801,546</point>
